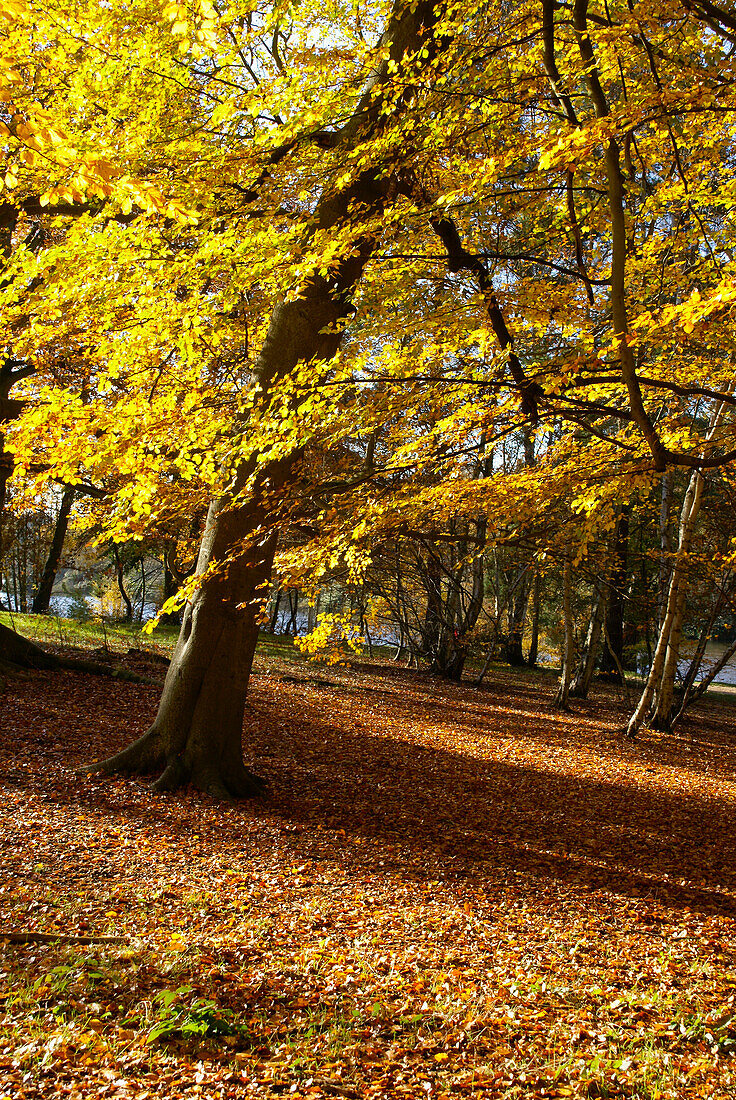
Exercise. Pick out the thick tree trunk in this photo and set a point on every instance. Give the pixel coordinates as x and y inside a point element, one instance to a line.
<point>196,736</point>
<point>42,598</point>
<point>16,650</point>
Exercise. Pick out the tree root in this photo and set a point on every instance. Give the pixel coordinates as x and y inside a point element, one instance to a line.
<point>147,754</point>
<point>142,757</point>
<point>17,652</point>
<point>97,668</point>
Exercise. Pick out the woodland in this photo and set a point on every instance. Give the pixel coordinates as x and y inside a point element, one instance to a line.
<point>378,354</point>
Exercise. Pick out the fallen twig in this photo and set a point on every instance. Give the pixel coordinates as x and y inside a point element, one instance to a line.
<point>57,937</point>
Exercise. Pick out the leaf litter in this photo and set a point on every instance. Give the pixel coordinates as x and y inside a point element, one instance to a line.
<point>446,892</point>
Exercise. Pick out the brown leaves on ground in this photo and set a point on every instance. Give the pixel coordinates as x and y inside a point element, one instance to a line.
<point>447,892</point>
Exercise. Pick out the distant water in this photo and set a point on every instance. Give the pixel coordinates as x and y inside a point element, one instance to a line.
<point>713,651</point>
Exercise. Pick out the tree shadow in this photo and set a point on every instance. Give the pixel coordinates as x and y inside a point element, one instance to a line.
<point>421,780</point>
<point>623,827</point>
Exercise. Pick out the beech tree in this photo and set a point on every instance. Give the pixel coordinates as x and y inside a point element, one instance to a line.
<point>197,733</point>
<point>294,242</point>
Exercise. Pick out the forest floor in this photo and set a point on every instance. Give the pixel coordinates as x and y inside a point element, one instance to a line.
<point>448,891</point>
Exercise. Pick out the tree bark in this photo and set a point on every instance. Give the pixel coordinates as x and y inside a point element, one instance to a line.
<point>584,673</point>
<point>197,734</point>
<point>120,577</point>
<point>536,609</point>
<point>612,658</point>
<point>273,623</point>
<point>17,650</point>
<point>568,656</point>
<point>654,690</point>
<point>42,598</point>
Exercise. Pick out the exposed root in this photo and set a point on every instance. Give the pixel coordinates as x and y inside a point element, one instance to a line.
<point>143,756</point>
<point>146,755</point>
<point>97,668</point>
<point>246,784</point>
<point>174,775</point>
<point>17,650</point>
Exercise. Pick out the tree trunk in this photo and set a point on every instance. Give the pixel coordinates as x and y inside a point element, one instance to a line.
<point>662,665</point>
<point>172,579</point>
<point>665,695</point>
<point>6,469</point>
<point>16,650</point>
<point>563,691</point>
<point>293,627</point>
<point>313,614</point>
<point>197,733</point>
<point>432,626</point>
<point>120,577</point>
<point>536,609</point>
<point>612,658</point>
<point>584,673</point>
<point>274,620</point>
<point>517,616</point>
<point>665,541</point>
<point>42,598</point>
<point>143,589</point>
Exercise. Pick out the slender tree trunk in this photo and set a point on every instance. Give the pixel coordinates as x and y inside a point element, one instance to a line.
<point>120,577</point>
<point>293,627</point>
<point>723,597</point>
<point>665,541</point>
<point>568,657</point>
<point>517,616</point>
<point>143,590</point>
<point>173,578</point>
<point>536,609</point>
<point>582,680</point>
<point>613,649</point>
<point>694,691</point>
<point>6,469</point>
<point>313,614</point>
<point>433,613</point>
<point>664,699</point>
<point>673,612</point>
<point>274,620</point>
<point>42,598</point>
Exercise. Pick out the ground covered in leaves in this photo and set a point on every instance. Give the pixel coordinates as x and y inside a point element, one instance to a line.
<point>447,892</point>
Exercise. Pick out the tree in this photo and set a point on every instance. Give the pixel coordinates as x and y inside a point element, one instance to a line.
<point>473,219</point>
<point>197,733</point>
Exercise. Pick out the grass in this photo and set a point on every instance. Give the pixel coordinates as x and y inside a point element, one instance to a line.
<point>119,637</point>
<point>52,630</point>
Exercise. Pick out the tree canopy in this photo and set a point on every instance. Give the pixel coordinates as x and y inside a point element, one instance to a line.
<point>319,263</point>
